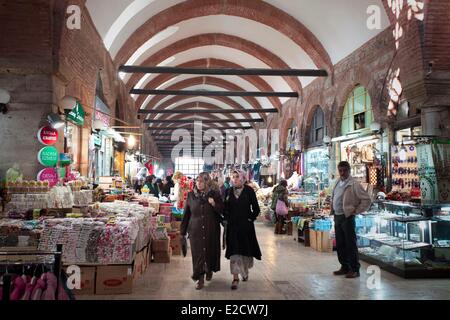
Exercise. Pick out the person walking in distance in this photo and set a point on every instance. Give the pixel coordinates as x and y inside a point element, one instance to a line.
<point>241,210</point>
<point>348,199</point>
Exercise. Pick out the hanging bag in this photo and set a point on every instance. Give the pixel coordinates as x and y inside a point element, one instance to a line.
<point>281,209</point>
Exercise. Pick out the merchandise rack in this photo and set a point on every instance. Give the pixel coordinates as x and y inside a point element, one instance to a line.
<point>56,267</point>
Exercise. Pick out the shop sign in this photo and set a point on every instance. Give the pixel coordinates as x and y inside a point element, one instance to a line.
<point>97,140</point>
<point>76,115</point>
<point>47,135</point>
<point>48,156</point>
<point>50,175</point>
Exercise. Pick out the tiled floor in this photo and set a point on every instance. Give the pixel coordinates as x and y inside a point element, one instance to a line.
<point>288,271</point>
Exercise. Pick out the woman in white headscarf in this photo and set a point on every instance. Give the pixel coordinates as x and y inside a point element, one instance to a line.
<point>241,210</point>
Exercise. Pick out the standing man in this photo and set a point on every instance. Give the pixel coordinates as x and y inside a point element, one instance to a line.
<point>348,199</point>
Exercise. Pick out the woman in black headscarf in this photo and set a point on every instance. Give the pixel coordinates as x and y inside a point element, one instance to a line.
<point>201,221</point>
<point>241,210</point>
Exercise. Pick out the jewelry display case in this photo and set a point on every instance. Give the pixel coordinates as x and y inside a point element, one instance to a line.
<point>409,240</point>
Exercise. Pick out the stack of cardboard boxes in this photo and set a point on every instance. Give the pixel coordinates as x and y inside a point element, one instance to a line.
<point>161,251</point>
<point>110,279</point>
<point>320,240</point>
<point>175,238</point>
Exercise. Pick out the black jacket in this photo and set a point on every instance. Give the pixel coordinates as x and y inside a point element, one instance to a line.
<point>202,222</point>
<point>240,215</point>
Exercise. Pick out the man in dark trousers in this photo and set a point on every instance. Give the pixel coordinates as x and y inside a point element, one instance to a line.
<point>348,199</point>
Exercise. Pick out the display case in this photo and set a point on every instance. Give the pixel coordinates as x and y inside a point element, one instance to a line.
<point>409,240</point>
<point>316,169</point>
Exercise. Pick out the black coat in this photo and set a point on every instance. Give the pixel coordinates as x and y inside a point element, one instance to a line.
<point>240,215</point>
<point>201,222</point>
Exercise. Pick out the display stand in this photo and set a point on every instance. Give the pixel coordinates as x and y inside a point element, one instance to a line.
<point>56,267</point>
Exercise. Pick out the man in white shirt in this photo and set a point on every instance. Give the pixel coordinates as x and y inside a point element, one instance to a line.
<point>348,199</point>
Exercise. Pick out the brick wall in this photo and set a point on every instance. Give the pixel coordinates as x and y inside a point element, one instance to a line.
<point>41,61</point>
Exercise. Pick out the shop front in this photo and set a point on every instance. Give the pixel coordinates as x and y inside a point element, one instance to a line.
<point>363,143</point>
<point>316,155</point>
<point>73,136</point>
<point>292,157</point>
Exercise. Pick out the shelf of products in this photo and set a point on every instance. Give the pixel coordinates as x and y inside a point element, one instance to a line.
<point>405,178</point>
<point>412,241</point>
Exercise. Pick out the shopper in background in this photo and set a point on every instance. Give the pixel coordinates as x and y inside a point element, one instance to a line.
<point>152,186</point>
<point>348,199</point>
<point>201,221</point>
<point>167,185</point>
<point>280,205</point>
<point>241,210</point>
<point>159,184</point>
<point>139,180</point>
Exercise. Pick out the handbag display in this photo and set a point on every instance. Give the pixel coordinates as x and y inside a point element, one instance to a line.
<point>281,209</point>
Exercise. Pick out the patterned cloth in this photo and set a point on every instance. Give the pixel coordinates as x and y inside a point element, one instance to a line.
<point>240,265</point>
<point>237,191</point>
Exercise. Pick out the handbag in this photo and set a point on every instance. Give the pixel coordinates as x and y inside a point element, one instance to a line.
<point>281,209</point>
<point>184,246</point>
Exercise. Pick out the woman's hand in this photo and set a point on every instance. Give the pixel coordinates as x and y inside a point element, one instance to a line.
<point>211,201</point>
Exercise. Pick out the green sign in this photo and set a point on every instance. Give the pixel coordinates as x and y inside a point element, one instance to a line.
<point>76,115</point>
<point>97,141</point>
<point>48,156</point>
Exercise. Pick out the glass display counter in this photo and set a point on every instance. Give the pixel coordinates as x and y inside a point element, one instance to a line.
<point>406,239</point>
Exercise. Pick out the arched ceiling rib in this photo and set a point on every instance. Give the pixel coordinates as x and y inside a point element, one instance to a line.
<point>270,59</point>
<point>223,102</point>
<point>222,84</point>
<point>246,104</point>
<point>258,82</point>
<point>227,54</point>
<point>255,10</point>
<point>237,81</point>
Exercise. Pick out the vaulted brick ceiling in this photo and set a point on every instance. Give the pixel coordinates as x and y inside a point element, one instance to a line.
<point>278,34</point>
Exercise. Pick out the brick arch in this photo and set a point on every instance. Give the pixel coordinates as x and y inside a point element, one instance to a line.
<point>269,58</point>
<point>209,81</point>
<point>256,81</point>
<point>255,10</point>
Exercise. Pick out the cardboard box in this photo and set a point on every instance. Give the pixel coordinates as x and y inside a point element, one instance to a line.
<point>87,283</point>
<point>324,242</point>
<point>175,243</point>
<point>139,265</point>
<point>160,245</point>
<point>319,241</point>
<point>146,257</point>
<point>162,257</point>
<point>313,239</point>
<point>114,279</point>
